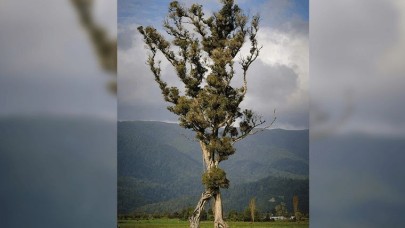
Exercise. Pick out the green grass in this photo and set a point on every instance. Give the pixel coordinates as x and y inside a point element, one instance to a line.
<point>155,223</point>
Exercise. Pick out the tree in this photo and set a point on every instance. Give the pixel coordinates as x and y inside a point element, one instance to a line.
<point>252,207</point>
<point>203,54</point>
<point>297,213</point>
<point>295,203</point>
<point>234,216</point>
<point>281,210</point>
<point>246,215</point>
<point>210,215</point>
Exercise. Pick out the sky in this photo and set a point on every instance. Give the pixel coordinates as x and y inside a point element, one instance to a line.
<point>278,79</point>
<point>47,62</point>
<point>356,66</point>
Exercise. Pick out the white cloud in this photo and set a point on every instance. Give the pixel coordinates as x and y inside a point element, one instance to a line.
<point>277,80</point>
<point>136,81</point>
<point>291,50</point>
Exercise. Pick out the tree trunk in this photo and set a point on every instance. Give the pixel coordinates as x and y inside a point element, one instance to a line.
<point>207,195</point>
<point>195,217</point>
<point>207,158</point>
<point>218,217</point>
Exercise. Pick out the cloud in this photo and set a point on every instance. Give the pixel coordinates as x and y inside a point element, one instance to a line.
<point>354,176</point>
<point>126,36</point>
<point>105,14</point>
<point>391,60</point>
<point>350,53</point>
<point>289,49</point>
<point>47,55</point>
<point>277,80</point>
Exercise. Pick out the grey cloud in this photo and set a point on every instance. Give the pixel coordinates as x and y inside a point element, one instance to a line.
<point>276,87</point>
<point>353,173</point>
<point>47,64</point>
<point>139,97</point>
<point>279,92</point>
<point>125,37</point>
<point>271,83</point>
<point>270,86</point>
<point>345,55</point>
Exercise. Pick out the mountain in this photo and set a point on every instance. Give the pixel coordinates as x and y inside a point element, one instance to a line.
<point>271,152</point>
<point>356,172</point>
<point>267,190</point>
<point>160,168</point>
<point>57,171</point>
<point>237,197</point>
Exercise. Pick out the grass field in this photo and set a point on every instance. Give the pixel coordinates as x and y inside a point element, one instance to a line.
<point>175,223</point>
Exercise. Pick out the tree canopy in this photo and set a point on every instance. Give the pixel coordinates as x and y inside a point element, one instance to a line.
<point>204,57</point>
<point>203,50</point>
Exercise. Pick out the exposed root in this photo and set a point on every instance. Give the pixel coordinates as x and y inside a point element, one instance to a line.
<point>195,217</point>
<point>220,224</point>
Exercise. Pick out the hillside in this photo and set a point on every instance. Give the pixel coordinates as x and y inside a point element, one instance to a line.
<point>237,197</point>
<point>160,167</point>
<point>57,171</point>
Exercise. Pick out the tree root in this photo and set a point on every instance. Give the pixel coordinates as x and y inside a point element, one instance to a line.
<point>220,224</point>
<point>195,217</point>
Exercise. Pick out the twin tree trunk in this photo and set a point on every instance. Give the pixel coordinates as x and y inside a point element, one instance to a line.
<point>208,194</point>
<point>205,65</point>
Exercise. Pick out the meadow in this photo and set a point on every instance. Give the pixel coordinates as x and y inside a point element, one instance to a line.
<point>176,223</point>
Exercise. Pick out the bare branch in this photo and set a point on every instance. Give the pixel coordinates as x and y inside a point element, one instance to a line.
<point>264,128</point>
<point>254,130</point>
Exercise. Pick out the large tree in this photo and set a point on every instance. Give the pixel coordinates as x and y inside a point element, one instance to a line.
<point>203,50</point>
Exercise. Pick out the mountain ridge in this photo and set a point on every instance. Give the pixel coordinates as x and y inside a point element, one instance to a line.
<point>146,149</point>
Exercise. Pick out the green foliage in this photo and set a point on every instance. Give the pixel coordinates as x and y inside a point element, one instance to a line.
<point>210,215</point>
<point>186,213</point>
<point>282,189</point>
<point>158,171</point>
<point>281,210</point>
<point>215,178</point>
<point>298,216</point>
<point>248,215</point>
<point>234,215</point>
<point>203,58</point>
<point>221,146</point>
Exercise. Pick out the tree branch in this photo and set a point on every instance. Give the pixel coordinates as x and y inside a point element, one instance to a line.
<point>253,131</point>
